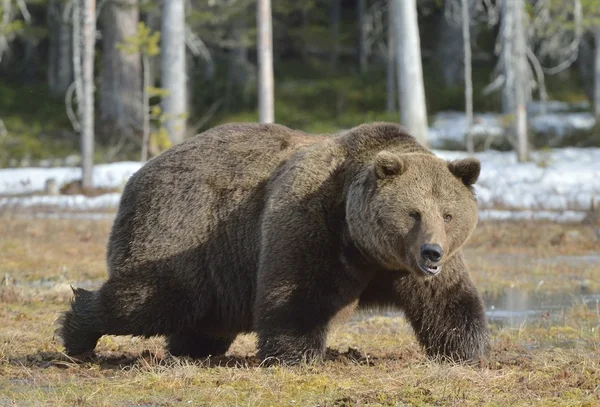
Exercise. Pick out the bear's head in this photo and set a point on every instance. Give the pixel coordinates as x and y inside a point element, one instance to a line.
<point>412,211</point>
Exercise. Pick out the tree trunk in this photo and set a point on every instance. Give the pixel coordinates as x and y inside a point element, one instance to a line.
<point>146,107</point>
<point>451,45</point>
<point>585,66</point>
<point>466,34</point>
<point>305,29</point>
<point>266,107</point>
<point>336,6</point>
<point>508,63</point>
<point>238,71</point>
<point>516,74</point>
<point>413,111</point>
<point>597,74</point>
<point>87,134</point>
<point>120,108</point>
<point>391,63</point>
<point>240,52</point>
<point>174,75</point>
<point>60,66</point>
<point>31,62</point>
<point>77,60</point>
<point>6,19</point>
<point>362,40</point>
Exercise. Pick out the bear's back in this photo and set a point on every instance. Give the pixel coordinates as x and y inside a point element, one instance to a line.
<point>185,205</point>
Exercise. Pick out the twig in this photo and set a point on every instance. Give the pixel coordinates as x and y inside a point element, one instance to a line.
<point>73,117</point>
<point>208,115</point>
<point>540,78</point>
<point>24,11</point>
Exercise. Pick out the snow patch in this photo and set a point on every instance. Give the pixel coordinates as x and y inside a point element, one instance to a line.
<point>450,128</point>
<point>561,217</point>
<point>557,181</point>
<point>63,202</point>
<point>15,181</point>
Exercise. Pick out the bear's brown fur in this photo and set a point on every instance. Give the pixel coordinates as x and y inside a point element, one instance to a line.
<point>257,227</point>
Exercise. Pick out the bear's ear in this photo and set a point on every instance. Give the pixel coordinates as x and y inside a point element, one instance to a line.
<point>467,170</point>
<point>388,164</point>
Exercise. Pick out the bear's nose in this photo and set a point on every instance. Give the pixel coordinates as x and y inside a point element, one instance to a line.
<point>432,252</point>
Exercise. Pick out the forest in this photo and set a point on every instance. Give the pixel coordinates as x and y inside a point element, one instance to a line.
<point>334,62</point>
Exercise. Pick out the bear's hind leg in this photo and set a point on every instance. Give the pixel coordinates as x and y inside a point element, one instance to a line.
<point>78,327</point>
<point>197,345</point>
<point>120,307</point>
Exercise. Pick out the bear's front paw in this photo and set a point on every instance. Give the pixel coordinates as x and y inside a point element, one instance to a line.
<point>460,348</point>
<point>290,350</point>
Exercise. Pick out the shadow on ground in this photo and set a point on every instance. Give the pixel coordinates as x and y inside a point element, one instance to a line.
<point>120,360</point>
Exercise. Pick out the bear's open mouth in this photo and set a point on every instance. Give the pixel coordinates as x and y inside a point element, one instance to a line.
<point>430,270</point>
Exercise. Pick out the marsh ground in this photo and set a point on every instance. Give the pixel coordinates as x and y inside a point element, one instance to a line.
<point>540,281</point>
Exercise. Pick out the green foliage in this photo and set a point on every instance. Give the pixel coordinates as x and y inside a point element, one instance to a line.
<point>36,123</point>
<point>145,42</point>
<point>157,92</point>
<point>12,28</point>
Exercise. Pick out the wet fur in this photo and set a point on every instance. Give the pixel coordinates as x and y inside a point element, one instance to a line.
<point>244,228</point>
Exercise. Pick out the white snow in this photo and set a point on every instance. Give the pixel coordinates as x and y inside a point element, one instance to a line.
<point>26,180</point>
<point>558,184</point>
<point>64,202</point>
<point>561,124</point>
<point>449,128</point>
<point>566,216</point>
<point>556,180</point>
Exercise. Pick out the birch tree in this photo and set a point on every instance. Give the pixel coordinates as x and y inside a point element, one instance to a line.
<point>266,108</point>
<point>411,95</point>
<point>120,110</point>
<point>466,33</point>
<point>515,69</point>
<point>391,62</point>
<point>362,41</point>
<point>173,68</point>
<point>597,74</point>
<point>466,14</point>
<point>87,134</point>
<point>335,16</point>
<point>10,26</point>
<point>144,43</point>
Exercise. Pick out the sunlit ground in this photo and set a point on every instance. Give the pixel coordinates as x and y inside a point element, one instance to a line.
<point>542,292</point>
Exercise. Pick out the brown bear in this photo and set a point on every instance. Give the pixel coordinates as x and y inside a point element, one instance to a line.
<point>257,227</point>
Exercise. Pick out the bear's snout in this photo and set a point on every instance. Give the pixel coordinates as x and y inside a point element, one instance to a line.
<point>431,255</point>
<point>432,252</point>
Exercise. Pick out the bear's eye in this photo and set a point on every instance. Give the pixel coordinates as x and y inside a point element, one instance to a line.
<point>415,215</point>
<point>447,218</point>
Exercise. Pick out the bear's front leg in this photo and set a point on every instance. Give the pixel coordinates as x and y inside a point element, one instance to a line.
<point>446,313</point>
<point>292,321</point>
<point>301,287</point>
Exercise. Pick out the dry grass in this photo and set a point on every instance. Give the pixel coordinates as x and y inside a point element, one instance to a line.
<point>373,360</point>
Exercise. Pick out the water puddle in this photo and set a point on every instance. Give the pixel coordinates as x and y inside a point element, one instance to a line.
<point>513,307</point>
<point>516,259</point>
<point>517,306</point>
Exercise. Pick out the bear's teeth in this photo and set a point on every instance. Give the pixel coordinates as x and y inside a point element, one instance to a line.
<point>430,269</point>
